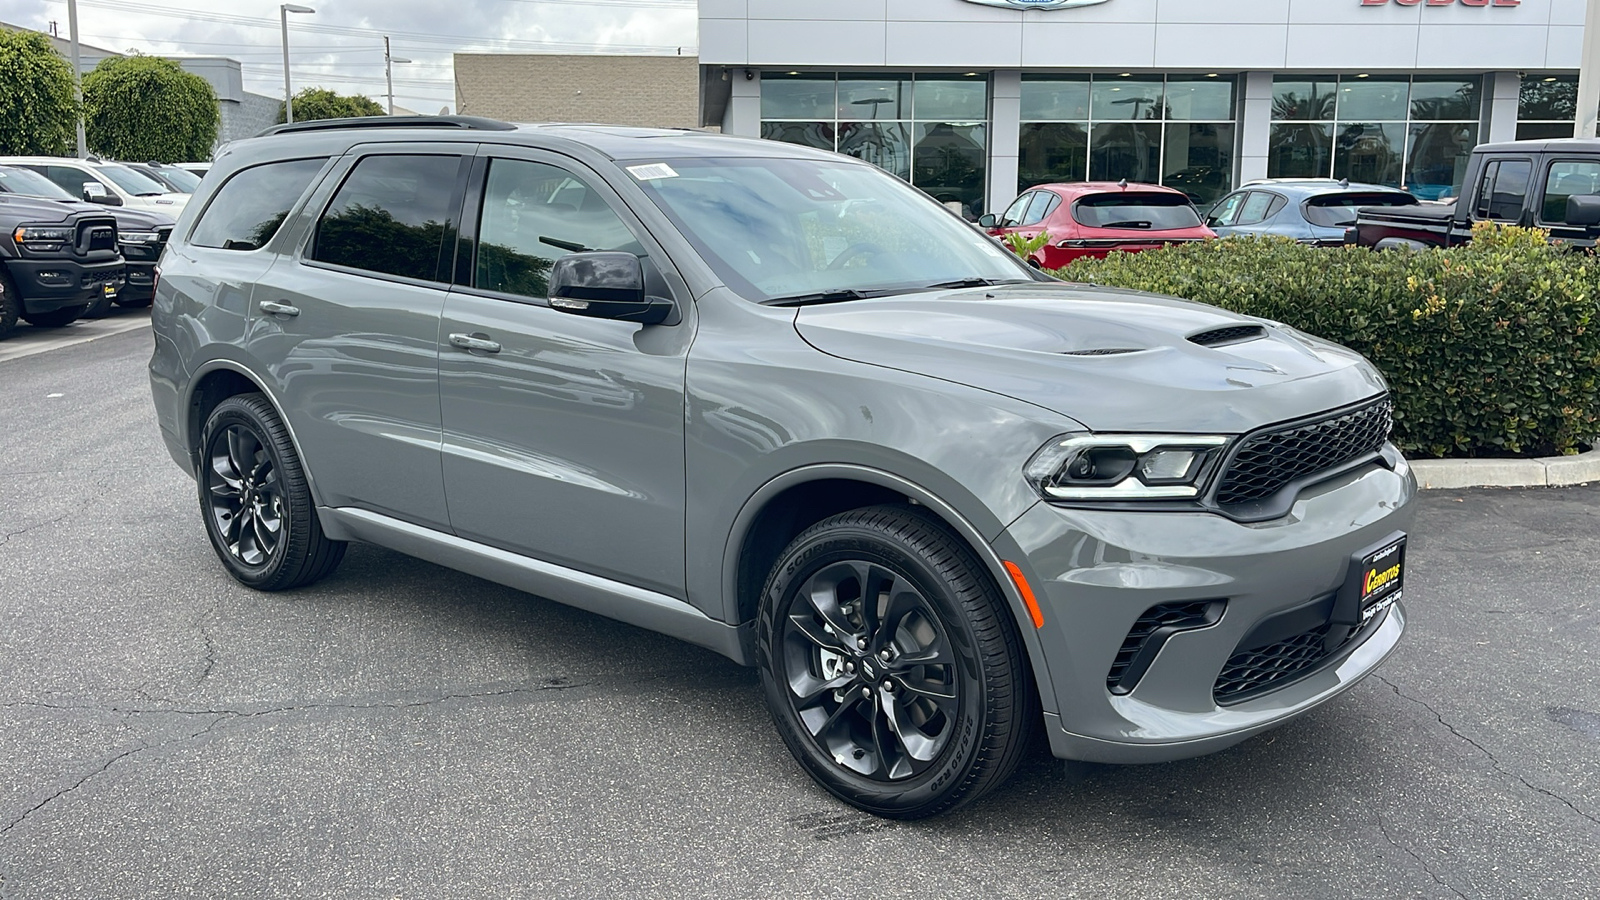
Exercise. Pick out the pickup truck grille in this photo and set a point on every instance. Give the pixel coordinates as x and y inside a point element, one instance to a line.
<point>1267,461</point>
<point>96,235</point>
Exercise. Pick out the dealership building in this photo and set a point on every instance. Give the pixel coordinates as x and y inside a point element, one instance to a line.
<point>976,100</point>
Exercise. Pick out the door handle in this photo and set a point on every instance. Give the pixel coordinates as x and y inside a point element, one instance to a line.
<point>279,309</point>
<point>469,342</point>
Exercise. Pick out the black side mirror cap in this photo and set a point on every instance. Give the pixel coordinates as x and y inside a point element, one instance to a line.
<point>1584,210</point>
<point>988,220</point>
<point>605,284</point>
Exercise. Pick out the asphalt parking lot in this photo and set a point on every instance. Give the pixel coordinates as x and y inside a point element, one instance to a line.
<point>400,730</point>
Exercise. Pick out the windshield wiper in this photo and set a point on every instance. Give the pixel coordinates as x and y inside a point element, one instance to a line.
<point>973,283</point>
<point>827,297</point>
<point>1132,223</point>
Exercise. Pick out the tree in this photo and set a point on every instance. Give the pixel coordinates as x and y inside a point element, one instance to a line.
<point>38,115</point>
<point>321,103</point>
<point>147,108</point>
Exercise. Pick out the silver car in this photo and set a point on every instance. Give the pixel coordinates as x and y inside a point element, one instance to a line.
<point>1311,210</point>
<point>776,402</point>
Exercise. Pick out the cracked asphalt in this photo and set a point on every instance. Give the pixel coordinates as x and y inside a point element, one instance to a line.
<point>400,730</point>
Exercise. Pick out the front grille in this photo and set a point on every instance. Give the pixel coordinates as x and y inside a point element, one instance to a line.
<point>1150,631</point>
<point>1268,461</point>
<point>96,236</point>
<point>1232,335</point>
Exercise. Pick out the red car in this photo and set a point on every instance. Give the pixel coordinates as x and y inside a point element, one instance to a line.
<point>1093,218</point>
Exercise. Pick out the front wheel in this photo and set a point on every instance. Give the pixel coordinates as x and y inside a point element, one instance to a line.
<point>256,501</point>
<point>891,665</point>
<point>55,318</point>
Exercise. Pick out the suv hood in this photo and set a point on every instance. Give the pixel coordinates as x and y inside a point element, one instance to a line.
<point>1050,345</point>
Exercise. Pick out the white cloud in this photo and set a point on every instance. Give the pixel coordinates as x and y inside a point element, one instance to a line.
<point>340,47</point>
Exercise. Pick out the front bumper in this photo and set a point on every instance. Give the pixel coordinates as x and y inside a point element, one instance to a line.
<point>1096,572</point>
<point>141,283</point>
<point>47,285</point>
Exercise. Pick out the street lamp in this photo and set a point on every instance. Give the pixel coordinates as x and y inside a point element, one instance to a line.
<point>288,95</point>
<point>1589,74</point>
<point>388,71</point>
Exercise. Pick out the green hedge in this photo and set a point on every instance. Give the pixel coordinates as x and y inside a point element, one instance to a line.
<point>1491,349</point>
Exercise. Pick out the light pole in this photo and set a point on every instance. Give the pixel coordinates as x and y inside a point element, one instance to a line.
<point>77,75</point>
<point>388,71</point>
<point>1589,74</point>
<point>288,95</point>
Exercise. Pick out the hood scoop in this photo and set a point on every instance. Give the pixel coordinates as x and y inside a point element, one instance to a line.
<point>1236,334</point>
<point>1102,351</point>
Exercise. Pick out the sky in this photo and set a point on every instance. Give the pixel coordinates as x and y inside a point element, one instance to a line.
<point>340,46</point>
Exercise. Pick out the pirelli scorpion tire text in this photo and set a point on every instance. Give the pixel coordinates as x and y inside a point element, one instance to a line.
<point>891,664</point>
<point>256,502</point>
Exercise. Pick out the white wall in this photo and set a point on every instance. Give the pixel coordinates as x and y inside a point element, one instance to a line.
<point>1163,35</point>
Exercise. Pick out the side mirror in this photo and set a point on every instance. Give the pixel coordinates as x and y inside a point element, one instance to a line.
<point>605,284</point>
<point>95,192</point>
<point>1583,209</point>
<point>988,220</point>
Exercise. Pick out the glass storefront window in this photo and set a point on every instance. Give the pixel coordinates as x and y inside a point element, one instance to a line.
<point>1053,152</point>
<point>1055,100</point>
<point>1300,150</point>
<point>949,162</point>
<point>1125,98</point>
<point>806,134</point>
<point>1445,99</point>
<point>1436,158</point>
<point>956,100</point>
<point>797,97</point>
<point>1125,150</point>
<point>886,145</point>
<point>1548,107</point>
<point>1372,99</point>
<point>1369,153</point>
<point>873,98</point>
<point>1199,98</point>
<point>1198,160</point>
<point>1308,100</point>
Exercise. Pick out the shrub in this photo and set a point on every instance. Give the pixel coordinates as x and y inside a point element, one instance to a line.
<point>320,103</point>
<point>1490,349</point>
<point>148,109</point>
<point>38,115</point>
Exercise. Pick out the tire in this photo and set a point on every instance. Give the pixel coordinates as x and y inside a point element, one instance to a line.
<point>255,500</point>
<point>10,305</point>
<point>56,318</point>
<point>135,303</point>
<point>100,308</point>
<point>939,652</point>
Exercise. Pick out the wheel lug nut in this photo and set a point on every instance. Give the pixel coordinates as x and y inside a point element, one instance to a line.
<point>866,693</point>
<point>885,655</point>
<point>888,687</point>
<point>861,643</point>
<point>838,696</point>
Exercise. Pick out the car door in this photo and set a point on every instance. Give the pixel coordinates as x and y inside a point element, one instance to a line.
<point>1565,178</point>
<point>563,435</point>
<point>1222,216</point>
<point>1503,191</point>
<point>349,329</point>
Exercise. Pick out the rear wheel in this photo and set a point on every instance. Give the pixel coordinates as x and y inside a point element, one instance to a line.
<point>256,502</point>
<point>891,665</point>
<point>56,318</point>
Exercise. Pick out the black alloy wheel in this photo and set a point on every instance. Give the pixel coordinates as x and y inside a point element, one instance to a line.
<point>892,665</point>
<point>256,501</point>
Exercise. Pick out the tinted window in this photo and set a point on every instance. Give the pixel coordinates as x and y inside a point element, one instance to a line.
<point>1223,213</point>
<point>1145,212</point>
<point>1567,179</point>
<point>131,181</point>
<point>1038,208</point>
<point>1258,208</point>
<point>391,216</point>
<point>1505,189</point>
<point>173,177</point>
<point>534,214</point>
<point>250,207</point>
<point>1339,210</point>
<point>16,180</point>
<point>69,178</point>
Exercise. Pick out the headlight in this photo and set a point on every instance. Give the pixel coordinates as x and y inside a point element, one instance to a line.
<point>28,234</point>
<point>138,237</point>
<point>1125,466</point>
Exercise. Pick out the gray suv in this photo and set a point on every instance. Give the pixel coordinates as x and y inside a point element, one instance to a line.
<point>778,403</point>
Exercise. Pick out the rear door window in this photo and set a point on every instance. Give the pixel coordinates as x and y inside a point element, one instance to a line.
<point>1136,211</point>
<point>1260,207</point>
<point>1504,190</point>
<point>1567,179</point>
<point>1339,210</point>
<point>392,216</point>
<point>69,178</point>
<point>248,210</point>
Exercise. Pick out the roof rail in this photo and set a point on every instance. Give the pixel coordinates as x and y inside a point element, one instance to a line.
<point>473,122</point>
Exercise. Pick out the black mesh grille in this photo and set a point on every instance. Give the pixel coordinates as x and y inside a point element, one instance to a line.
<point>1266,462</point>
<point>1250,672</point>
<point>1173,615</point>
<point>1231,335</point>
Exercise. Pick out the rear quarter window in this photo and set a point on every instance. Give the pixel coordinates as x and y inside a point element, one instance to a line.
<point>1136,211</point>
<point>249,208</point>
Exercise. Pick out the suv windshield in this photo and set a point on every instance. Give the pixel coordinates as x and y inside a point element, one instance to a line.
<point>801,229</point>
<point>1339,210</point>
<point>30,184</point>
<point>131,181</point>
<point>1142,212</point>
<point>173,177</point>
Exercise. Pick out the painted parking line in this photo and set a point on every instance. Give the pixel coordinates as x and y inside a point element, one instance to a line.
<point>28,340</point>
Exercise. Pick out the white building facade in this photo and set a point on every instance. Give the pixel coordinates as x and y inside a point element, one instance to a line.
<point>976,100</point>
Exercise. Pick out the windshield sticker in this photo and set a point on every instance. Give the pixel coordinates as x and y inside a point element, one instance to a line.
<point>652,172</point>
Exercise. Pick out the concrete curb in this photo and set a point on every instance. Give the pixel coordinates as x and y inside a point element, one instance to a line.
<point>1551,471</point>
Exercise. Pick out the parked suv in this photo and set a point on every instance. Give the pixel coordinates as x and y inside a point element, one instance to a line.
<point>110,184</point>
<point>778,403</point>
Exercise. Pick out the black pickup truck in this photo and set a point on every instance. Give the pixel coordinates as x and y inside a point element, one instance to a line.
<point>1551,184</point>
<point>55,260</point>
